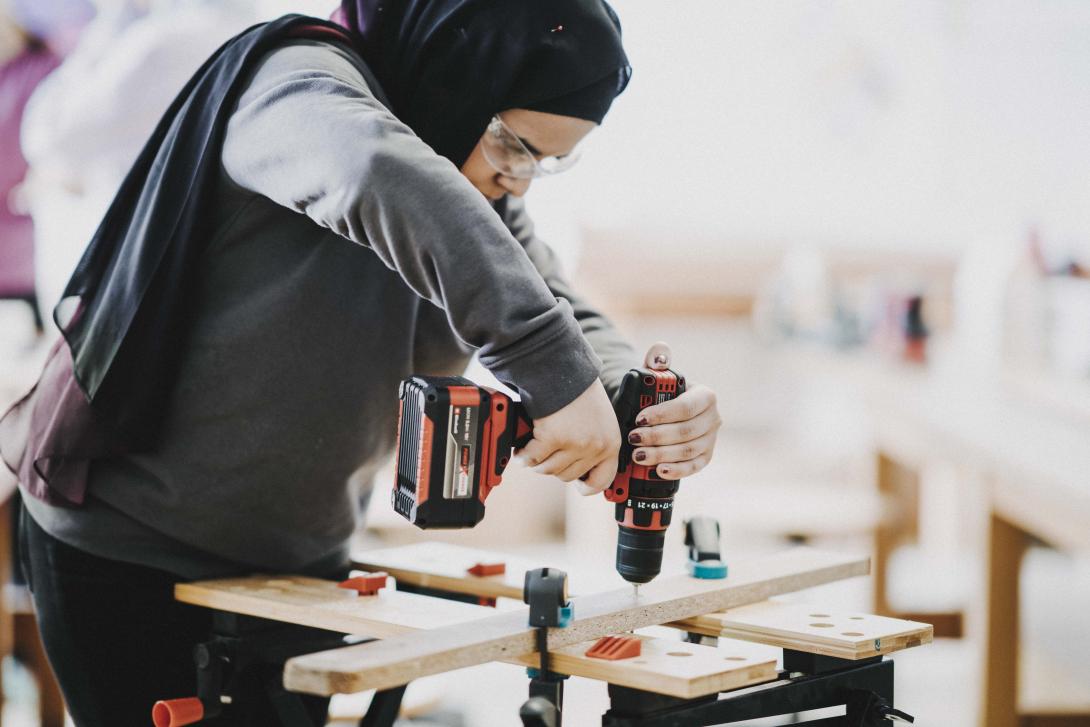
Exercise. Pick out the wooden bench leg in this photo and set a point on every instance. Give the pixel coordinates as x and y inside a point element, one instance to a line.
<point>1006,546</point>
<point>900,490</point>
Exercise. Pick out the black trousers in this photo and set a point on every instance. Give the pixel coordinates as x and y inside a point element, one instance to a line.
<point>118,641</point>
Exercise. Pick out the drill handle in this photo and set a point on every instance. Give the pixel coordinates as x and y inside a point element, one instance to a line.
<point>639,389</point>
<point>518,427</point>
<point>510,428</point>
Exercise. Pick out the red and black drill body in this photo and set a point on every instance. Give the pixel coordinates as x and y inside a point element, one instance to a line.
<point>644,502</point>
<point>455,439</point>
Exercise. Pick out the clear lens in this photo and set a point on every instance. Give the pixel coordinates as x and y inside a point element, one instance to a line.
<point>510,157</point>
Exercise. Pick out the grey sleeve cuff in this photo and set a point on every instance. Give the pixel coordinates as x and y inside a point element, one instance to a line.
<point>551,370</point>
<point>613,352</point>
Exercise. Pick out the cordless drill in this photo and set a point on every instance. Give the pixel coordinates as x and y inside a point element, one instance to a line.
<point>644,502</point>
<point>455,439</point>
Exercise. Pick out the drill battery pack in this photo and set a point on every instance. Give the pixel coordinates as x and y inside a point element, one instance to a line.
<point>454,441</point>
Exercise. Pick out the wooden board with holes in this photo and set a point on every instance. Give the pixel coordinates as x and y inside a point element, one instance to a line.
<point>666,666</point>
<point>401,659</point>
<point>846,635</point>
<point>445,566</point>
<point>671,667</point>
<point>321,604</point>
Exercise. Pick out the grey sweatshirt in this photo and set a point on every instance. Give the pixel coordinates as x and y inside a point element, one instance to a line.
<point>347,255</point>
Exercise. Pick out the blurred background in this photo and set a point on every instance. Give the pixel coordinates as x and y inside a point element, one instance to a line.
<point>865,225</point>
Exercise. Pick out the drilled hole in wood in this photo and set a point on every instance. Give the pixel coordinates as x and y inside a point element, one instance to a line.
<point>639,661</point>
<point>819,615</point>
<point>856,618</point>
<point>735,658</point>
<point>851,633</point>
<point>822,626</point>
<point>678,653</point>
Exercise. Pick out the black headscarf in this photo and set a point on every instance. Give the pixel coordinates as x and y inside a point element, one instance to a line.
<point>449,65</point>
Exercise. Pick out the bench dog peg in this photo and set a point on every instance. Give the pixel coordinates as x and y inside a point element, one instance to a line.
<point>367,584</point>
<point>487,569</point>
<point>613,648</point>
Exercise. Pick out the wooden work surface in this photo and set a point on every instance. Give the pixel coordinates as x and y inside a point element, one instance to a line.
<point>1037,464</point>
<point>665,666</point>
<point>808,628</point>
<point>670,666</point>
<point>321,604</point>
<point>445,566</point>
<point>506,636</point>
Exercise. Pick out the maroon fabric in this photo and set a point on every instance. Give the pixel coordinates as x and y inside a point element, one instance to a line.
<point>54,417</point>
<point>18,78</point>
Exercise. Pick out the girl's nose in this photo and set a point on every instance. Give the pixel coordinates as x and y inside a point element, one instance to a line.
<point>516,187</point>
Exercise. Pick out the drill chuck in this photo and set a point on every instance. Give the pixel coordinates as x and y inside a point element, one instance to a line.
<point>639,553</point>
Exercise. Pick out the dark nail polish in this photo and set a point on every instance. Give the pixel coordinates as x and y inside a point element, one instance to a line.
<point>634,438</point>
<point>642,422</point>
<point>663,471</point>
<point>640,456</point>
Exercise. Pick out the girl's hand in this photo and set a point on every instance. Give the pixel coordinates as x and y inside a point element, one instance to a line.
<point>580,441</point>
<point>677,436</point>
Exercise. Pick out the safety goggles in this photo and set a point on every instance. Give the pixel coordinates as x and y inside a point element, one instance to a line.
<point>509,156</point>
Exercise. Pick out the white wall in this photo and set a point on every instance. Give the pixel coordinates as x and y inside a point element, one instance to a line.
<point>909,124</point>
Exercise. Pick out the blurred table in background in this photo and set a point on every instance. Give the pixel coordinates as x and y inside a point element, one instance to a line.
<point>1026,471</point>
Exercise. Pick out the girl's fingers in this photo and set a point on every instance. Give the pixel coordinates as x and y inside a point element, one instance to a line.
<point>687,406</point>
<point>558,461</point>
<point>599,478</point>
<point>658,357</point>
<point>535,452</point>
<point>575,470</point>
<point>675,452</point>
<point>676,433</point>
<point>678,470</point>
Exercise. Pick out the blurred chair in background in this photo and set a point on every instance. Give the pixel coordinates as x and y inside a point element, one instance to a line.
<point>86,124</point>
<point>24,61</point>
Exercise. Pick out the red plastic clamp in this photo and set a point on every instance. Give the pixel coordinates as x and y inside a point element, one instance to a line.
<point>487,569</point>
<point>613,648</point>
<point>367,584</point>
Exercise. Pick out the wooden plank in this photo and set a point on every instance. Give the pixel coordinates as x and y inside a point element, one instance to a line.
<point>813,629</point>
<point>401,659</point>
<point>321,604</point>
<point>666,666</point>
<point>669,666</point>
<point>444,566</point>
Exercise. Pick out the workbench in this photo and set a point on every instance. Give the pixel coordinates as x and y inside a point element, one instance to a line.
<point>830,657</point>
<point>1026,474</point>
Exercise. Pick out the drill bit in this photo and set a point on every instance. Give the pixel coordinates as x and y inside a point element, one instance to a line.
<point>636,590</point>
